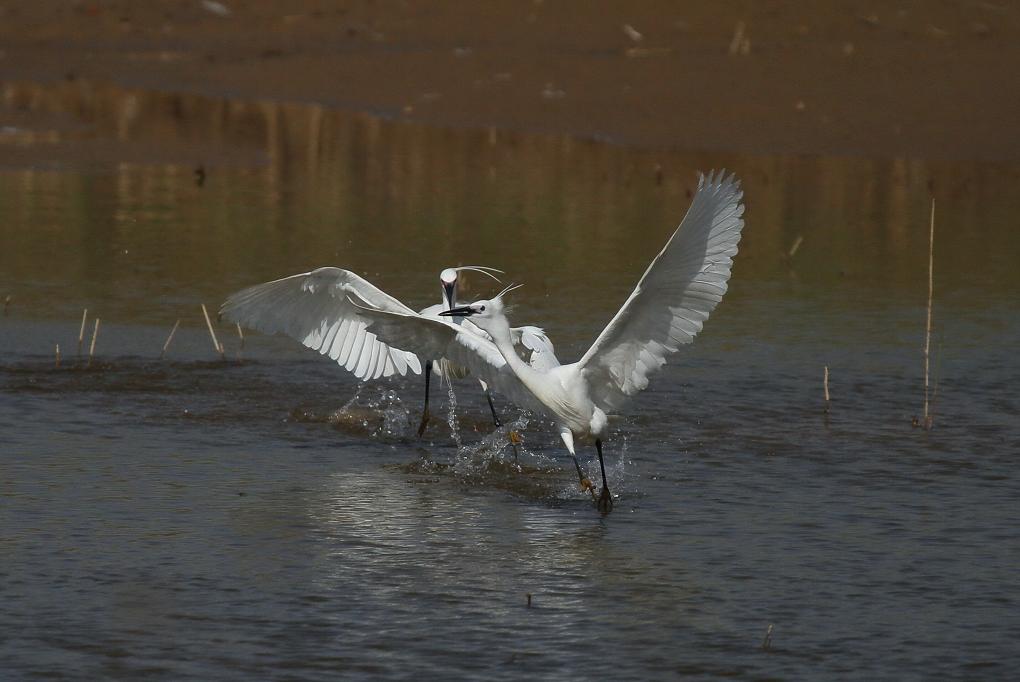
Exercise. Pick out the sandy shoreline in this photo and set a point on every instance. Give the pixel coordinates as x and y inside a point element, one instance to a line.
<point>907,79</point>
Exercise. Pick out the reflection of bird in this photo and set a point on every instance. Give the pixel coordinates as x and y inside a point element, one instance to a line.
<point>313,308</point>
<point>668,307</point>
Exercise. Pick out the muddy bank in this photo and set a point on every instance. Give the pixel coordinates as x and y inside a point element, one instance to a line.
<point>887,79</point>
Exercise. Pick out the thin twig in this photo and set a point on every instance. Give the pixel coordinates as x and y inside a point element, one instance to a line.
<point>92,346</point>
<point>81,332</point>
<point>7,304</point>
<point>240,349</point>
<point>927,419</point>
<point>216,344</point>
<point>58,356</point>
<point>766,643</point>
<point>169,339</point>
<point>796,245</point>
<point>739,44</point>
<point>825,386</point>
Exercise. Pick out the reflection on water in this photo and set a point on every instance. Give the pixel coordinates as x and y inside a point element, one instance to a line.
<point>195,517</point>
<point>289,186</point>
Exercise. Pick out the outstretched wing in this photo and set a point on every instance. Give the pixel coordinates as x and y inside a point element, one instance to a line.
<point>314,308</point>
<point>435,339</point>
<point>534,347</point>
<point>674,297</point>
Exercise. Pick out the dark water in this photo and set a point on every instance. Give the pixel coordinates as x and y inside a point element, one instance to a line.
<point>264,517</point>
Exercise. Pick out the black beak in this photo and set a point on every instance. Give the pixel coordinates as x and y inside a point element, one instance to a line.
<point>462,311</point>
<point>450,292</point>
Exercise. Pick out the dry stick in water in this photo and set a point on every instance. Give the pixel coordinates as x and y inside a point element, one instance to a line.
<point>766,643</point>
<point>7,303</point>
<point>216,344</point>
<point>169,339</point>
<point>58,356</point>
<point>92,346</point>
<point>927,418</point>
<point>81,332</point>
<point>740,44</point>
<point>825,385</point>
<point>796,245</point>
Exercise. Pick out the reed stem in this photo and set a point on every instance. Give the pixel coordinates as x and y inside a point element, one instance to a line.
<point>927,417</point>
<point>81,331</point>
<point>92,346</point>
<point>825,386</point>
<point>169,339</point>
<point>216,344</point>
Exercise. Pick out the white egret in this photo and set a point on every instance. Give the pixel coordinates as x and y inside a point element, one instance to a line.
<point>667,308</point>
<point>313,308</point>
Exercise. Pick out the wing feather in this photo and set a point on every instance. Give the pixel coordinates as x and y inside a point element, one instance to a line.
<point>356,350</point>
<point>534,347</point>
<point>313,308</point>
<point>329,344</point>
<point>673,298</point>
<point>350,336</point>
<point>337,345</point>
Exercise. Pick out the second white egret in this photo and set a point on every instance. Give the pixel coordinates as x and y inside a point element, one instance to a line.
<point>314,308</point>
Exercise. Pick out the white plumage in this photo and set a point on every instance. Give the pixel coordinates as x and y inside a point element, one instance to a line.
<point>315,308</point>
<point>667,309</point>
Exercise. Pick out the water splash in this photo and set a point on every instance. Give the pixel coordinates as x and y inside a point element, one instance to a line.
<point>353,400</point>
<point>494,448</point>
<point>381,415</point>
<point>396,417</point>
<point>451,416</point>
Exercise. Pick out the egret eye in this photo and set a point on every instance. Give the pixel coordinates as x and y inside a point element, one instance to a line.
<point>481,309</point>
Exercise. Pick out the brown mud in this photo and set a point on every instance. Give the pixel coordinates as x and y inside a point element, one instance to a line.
<point>883,78</point>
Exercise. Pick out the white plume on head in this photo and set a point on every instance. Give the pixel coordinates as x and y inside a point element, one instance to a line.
<point>508,290</point>
<point>487,271</point>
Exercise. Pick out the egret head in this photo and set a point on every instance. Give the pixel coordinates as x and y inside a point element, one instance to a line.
<point>448,279</point>
<point>486,313</point>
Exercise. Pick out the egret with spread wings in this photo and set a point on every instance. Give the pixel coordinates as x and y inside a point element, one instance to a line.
<point>315,309</point>
<point>667,309</point>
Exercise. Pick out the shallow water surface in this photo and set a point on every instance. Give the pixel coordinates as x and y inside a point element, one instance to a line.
<point>264,516</point>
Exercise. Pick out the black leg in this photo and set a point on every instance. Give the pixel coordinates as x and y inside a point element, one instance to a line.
<point>495,418</point>
<point>425,413</point>
<point>605,501</point>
